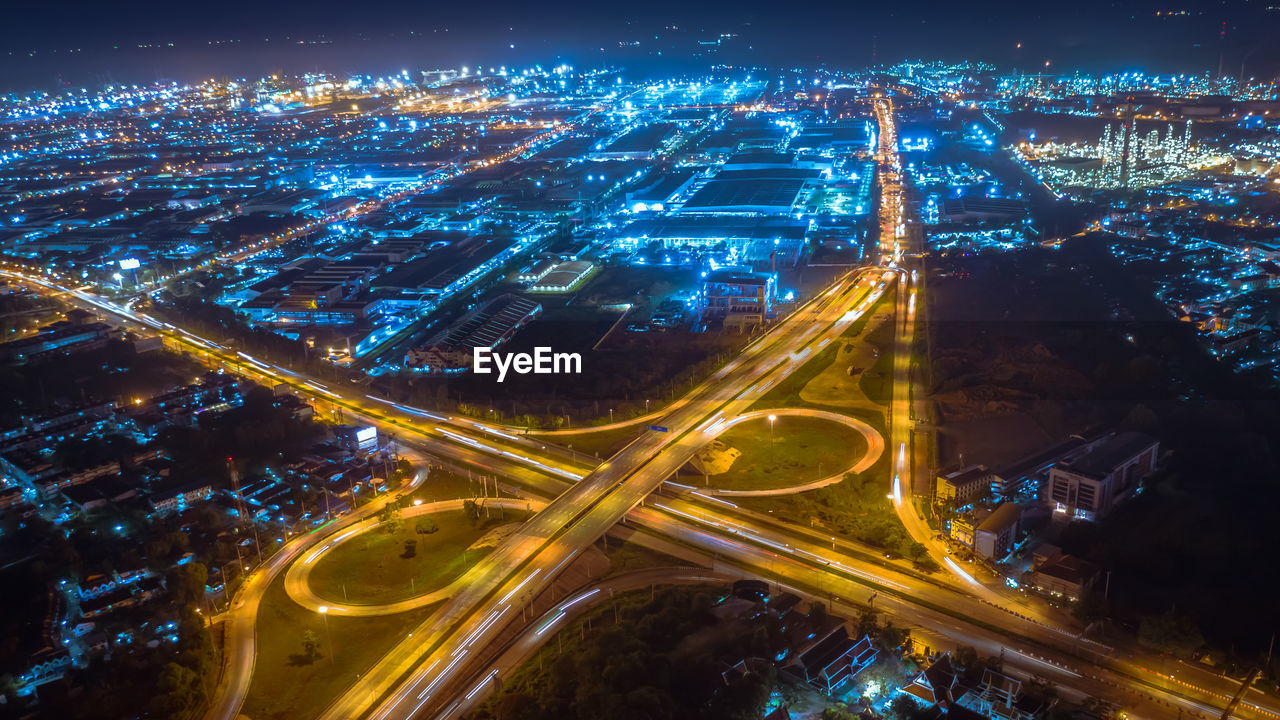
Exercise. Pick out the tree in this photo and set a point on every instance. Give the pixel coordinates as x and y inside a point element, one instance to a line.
<point>1091,607</point>
<point>426,526</point>
<point>1041,687</point>
<point>1175,634</point>
<point>177,689</point>
<point>817,614</point>
<point>195,645</point>
<point>1141,418</point>
<point>916,552</point>
<point>893,637</point>
<point>187,582</point>
<point>965,657</point>
<point>903,708</point>
<point>310,645</point>
<point>868,624</point>
<point>392,520</point>
<point>472,509</point>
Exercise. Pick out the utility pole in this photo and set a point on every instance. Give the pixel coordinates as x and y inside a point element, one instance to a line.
<point>235,488</point>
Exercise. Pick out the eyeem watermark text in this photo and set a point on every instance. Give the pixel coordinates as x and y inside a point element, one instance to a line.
<point>541,362</point>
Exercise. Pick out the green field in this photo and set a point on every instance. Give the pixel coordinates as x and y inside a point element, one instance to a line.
<point>626,556</point>
<point>286,683</point>
<point>601,443</point>
<point>877,381</point>
<point>373,568</point>
<point>444,485</point>
<point>798,450</point>
<point>823,382</point>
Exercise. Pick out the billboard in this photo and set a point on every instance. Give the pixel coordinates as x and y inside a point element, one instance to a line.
<point>367,438</point>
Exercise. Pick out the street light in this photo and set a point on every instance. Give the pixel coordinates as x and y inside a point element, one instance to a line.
<point>324,613</point>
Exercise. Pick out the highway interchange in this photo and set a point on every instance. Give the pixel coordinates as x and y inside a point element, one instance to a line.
<point>446,663</point>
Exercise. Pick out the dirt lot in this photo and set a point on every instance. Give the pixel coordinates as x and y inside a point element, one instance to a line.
<point>1000,392</point>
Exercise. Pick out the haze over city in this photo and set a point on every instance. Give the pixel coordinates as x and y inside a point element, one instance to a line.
<point>80,42</point>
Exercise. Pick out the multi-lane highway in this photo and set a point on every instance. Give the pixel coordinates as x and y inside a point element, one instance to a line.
<point>532,637</point>
<point>437,666</point>
<point>426,670</point>
<point>578,517</point>
<point>492,453</point>
<point>894,239</point>
<point>936,609</point>
<point>827,313</point>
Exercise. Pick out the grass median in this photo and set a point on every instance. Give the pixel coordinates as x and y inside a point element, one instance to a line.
<point>288,682</point>
<point>795,451</point>
<point>422,554</point>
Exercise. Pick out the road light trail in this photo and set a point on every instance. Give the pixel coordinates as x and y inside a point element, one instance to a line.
<point>719,376</point>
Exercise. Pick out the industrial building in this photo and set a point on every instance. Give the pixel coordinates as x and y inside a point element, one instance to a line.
<point>563,277</point>
<point>964,486</point>
<point>1091,485</point>
<point>982,210</point>
<point>748,196</point>
<point>489,326</point>
<point>766,242</point>
<point>738,298</point>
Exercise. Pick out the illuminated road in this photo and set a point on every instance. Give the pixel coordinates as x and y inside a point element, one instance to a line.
<point>532,637</point>
<point>901,418</point>
<point>941,611</point>
<point>814,571</point>
<point>930,604</point>
<point>241,618</point>
<point>1022,664</point>
<point>527,469</point>
<point>458,439</point>
<point>578,517</point>
<point>619,425</point>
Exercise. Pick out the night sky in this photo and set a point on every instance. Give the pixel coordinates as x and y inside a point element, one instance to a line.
<point>85,43</point>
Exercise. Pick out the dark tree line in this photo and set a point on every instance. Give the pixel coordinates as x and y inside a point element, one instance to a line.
<point>663,660</point>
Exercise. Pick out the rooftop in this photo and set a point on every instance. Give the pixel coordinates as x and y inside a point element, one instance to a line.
<point>747,195</point>
<point>1102,459</point>
<point>1004,516</point>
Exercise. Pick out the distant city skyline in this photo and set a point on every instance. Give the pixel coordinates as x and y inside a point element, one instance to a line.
<point>150,41</point>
